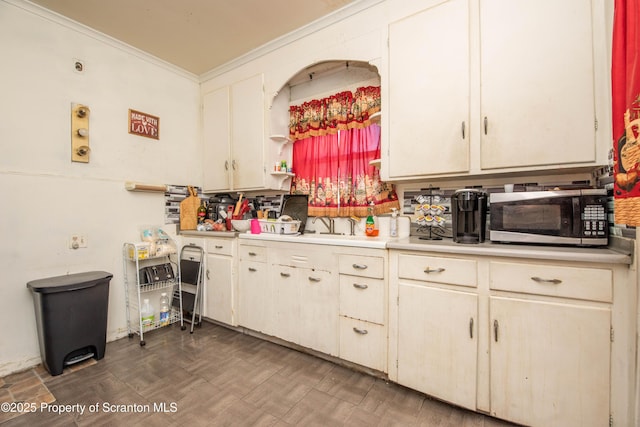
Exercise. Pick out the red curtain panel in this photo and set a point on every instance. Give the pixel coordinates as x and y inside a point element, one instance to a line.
<point>625,85</point>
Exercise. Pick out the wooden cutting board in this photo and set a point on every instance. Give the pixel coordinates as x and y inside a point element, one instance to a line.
<point>189,210</point>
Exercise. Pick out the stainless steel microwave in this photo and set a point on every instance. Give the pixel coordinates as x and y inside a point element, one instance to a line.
<point>560,217</point>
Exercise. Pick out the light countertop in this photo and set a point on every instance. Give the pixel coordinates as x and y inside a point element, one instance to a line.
<point>614,254</point>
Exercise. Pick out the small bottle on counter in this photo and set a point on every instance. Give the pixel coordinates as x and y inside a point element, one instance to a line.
<point>370,228</point>
<point>202,212</point>
<point>393,225</point>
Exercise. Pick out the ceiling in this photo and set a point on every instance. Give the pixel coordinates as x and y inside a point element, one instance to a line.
<point>195,35</point>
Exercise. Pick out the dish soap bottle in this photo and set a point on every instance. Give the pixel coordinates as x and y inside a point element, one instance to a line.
<point>370,228</point>
<point>393,225</point>
<point>164,309</point>
<point>147,314</point>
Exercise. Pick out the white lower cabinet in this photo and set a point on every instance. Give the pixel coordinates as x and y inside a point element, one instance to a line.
<point>550,357</point>
<point>255,295</point>
<point>220,284</point>
<point>438,342</point>
<point>363,308</point>
<point>532,343</point>
<point>319,297</point>
<point>550,363</point>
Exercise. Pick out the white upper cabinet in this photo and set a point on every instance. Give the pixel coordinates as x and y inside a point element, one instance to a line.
<point>490,86</point>
<point>537,83</point>
<point>429,92</point>
<point>217,140</point>
<point>247,133</point>
<point>233,132</point>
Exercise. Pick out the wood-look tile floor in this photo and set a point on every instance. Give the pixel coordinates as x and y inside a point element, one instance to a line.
<point>219,377</point>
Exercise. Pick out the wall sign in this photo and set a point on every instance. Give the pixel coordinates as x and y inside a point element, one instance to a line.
<point>144,124</point>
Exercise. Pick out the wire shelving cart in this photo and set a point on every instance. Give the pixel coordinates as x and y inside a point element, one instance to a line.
<point>150,270</point>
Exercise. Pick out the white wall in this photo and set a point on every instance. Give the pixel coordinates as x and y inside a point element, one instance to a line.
<point>44,196</point>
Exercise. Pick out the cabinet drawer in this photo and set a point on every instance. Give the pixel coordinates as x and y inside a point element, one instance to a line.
<point>252,253</point>
<point>220,246</point>
<point>363,343</point>
<point>364,266</point>
<point>362,298</point>
<point>591,284</point>
<point>452,271</point>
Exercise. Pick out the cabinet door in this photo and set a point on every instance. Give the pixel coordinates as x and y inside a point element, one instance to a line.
<point>247,130</point>
<point>255,297</point>
<point>429,98</point>
<point>537,80</point>
<point>550,363</point>
<point>318,311</point>
<point>286,288</point>
<point>438,342</point>
<point>219,289</point>
<point>216,140</point>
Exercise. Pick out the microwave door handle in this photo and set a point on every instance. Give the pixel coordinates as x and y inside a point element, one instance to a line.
<point>577,217</point>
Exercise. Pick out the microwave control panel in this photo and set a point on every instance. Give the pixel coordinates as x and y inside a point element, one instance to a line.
<point>594,218</point>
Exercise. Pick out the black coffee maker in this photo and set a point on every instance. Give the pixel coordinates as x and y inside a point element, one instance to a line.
<point>469,215</point>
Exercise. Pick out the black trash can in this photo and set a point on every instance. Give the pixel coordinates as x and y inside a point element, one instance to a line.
<point>71,316</point>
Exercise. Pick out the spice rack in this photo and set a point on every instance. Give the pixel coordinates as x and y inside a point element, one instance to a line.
<point>150,268</point>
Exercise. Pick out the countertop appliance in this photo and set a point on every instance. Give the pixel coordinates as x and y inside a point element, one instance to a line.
<point>561,217</point>
<point>469,215</point>
<point>217,203</point>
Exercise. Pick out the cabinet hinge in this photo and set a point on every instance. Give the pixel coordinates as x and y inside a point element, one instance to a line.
<point>611,335</point>
<point>396,363</point>
<point>610,420</point>
<point>398,300</point>
<point>595,124</point>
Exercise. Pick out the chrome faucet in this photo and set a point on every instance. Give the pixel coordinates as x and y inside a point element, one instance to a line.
<point>352,224</point>
<point>330,225</point>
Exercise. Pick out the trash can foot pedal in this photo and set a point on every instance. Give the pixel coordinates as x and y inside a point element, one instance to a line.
<point>78,359</point>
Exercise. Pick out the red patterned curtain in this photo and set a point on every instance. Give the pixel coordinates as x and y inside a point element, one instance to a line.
<point>625,75</point>
<point>335,143</point>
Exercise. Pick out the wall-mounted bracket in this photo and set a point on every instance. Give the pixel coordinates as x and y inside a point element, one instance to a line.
<point>80,133</point>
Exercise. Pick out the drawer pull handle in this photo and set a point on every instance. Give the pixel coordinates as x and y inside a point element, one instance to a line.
<point>285,274</point>
<point>541,280</point>
<point>314,279</point>
<point>360,331</point>
<point>360,266</point>
<point>471,328</point>
<point>252,269</point>
<point>359,286</point>
<point>208,276</point>
<point>219,246</point>
<point>495,329</point>
<point>430,270</point>
<point>252,254</point>
<point>463,129</point>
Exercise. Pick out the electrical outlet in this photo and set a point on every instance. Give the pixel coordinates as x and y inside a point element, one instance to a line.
<point>77,241</point>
